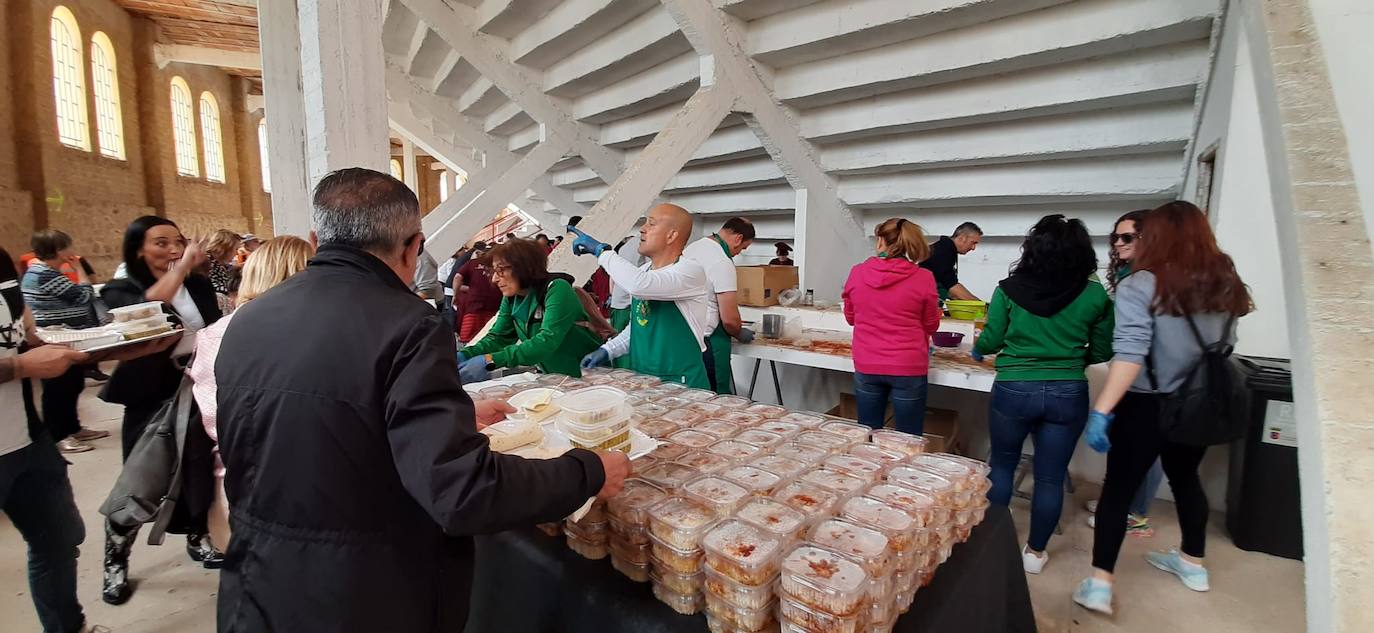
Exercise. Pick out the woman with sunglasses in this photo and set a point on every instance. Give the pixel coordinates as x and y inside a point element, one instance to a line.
<point>538,322</point>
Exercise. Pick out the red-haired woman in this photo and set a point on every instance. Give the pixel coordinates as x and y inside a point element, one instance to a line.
<point>1182,280</point>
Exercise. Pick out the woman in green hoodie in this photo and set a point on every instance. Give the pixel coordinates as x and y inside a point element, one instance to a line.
<point>537,323</point>
<point>1047,322</point>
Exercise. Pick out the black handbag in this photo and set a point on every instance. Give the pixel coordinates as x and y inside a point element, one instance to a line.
<point>1210,407</point>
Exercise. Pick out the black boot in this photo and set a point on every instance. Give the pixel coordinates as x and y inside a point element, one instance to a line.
<point>116,588</point>
<point>199,548</point>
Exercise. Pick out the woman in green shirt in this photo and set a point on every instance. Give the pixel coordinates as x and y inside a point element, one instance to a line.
<point>537,323</point>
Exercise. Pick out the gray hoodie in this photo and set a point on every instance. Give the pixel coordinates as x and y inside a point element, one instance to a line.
<point>1168,339</point>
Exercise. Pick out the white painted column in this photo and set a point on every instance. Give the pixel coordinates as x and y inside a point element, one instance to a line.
<point>343,76</point>
<point>280,41</point>
<point>408,170</point>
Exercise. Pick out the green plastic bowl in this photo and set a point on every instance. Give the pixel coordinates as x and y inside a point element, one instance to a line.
<point>967,310</point>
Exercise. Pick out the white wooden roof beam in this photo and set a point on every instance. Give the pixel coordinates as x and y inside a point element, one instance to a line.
<point>740,174</point>
<point>570,26</point>
<point>667,83</point>
<point>647,41</point>
<point>760,199</point>
<point>506,119</point>
<point>527,138</point>
<point>446,68</point>
<point>755,9</point>
<point>481,98</point>
<point>417,42</point>
<point>164,54</point>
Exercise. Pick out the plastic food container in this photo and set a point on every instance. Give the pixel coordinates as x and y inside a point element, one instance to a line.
<point>757,481</point>
<point>669,476</point>
<point>742,552</point>
<point>671,388</point>
<point>628,533</point>
<point>898,526</point>
<point>641,380</point>
<point>738,617</point>
<point>739,417</point>
<point>761,439</point>
<point>632,505</point>
<point>551,380</point>
<point>684,603</point>
<point>137,311</point>
<point>808,498</point>
<point>692,438</point>
<point>717,625</point>
<point>495,392</point>
<point>830,442</point>
<point>601,435</point>
<point>904,443</point>
<point>961,474</point>
<point>822,583</point>
<point>669,451</point>
<point>682,417</point>
<point>672,402</point>
<point>771,412</point>
<point>925,481</point>
<point>588,532</point>
<point>865,545</point>
<point>804,420</point>
<point>780,466</point>
<point>592,405</point>
<point>705,462</point>
<point>804,453</point>
<point>637,553</point>
<point>719,428</point>
<point>651,410</point>
<point>734,449</point>
<point>599,380</point>
<point>667,558</point>
<point>843,484</point>
<point>657,428</point>
<point>774,517</point>
<point>785,429</point>
<point>706,408</point>
<point>697,395</point>
<point>740,595</point>
<point>731,402</point>
<point>856,433</point>
<point>721,495</point>
<point>859,467</point>
<point>638,572</point>
<point>679,522</point>
<point>587,550</point>
<point>872,453</point>
<point>921,506</point>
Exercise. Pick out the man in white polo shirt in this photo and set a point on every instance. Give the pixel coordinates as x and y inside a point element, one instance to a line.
<point>716,254</point>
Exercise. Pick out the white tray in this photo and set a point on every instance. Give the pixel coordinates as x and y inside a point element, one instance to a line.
<point>101,348</point>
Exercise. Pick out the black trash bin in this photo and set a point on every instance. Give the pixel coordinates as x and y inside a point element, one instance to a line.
<point>1263,505</point>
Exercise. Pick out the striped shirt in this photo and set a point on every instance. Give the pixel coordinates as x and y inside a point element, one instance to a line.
<point>55,300</point>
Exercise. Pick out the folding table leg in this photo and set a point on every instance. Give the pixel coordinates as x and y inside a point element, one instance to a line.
<point>777,386</point>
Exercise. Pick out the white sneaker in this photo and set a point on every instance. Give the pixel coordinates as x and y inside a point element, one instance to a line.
<point>1091,506</point>
<point>1092,521</point>
<point>1033,563</point>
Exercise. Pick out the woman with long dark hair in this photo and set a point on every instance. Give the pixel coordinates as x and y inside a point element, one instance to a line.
<point>1182,283</point>
<point>1047,322</point>
<point>161,267</point>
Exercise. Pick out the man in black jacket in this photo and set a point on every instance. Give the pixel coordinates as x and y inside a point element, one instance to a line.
<point>356,474</point>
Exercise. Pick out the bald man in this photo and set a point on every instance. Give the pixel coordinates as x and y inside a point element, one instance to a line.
<point>669,310</point>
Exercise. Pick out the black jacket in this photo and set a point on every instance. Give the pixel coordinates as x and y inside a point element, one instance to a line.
<point>152,379</point>
<point>355,472</point>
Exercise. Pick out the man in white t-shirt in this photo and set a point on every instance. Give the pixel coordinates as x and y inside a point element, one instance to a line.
<point>716,254</point>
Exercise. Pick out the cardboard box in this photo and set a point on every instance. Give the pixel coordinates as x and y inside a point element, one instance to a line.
<point>941,426</point>
<point>759,286</point>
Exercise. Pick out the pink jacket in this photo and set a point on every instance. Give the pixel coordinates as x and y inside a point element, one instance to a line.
<point>202,372</point>
<point>894,308</point>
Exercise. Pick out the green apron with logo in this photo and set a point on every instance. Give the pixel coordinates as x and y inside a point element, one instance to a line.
<point>663,344</point>
<point>720,344</point>
<point>620,319</point>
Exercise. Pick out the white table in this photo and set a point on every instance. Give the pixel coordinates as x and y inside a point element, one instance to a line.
<point>942,372</point>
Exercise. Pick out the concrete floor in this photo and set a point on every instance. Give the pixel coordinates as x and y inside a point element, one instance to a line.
<point>1251,593</point>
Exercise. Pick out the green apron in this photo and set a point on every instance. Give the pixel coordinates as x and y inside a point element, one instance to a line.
<point>720,344</point>
<point>528,317</point>
<point>663,344</point>
<point>620,317</point>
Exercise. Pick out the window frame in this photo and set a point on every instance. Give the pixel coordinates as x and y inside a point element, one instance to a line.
<point>69,111</point>
<point>109,113</point>
<point>212,139</point>
<point>184,129</point>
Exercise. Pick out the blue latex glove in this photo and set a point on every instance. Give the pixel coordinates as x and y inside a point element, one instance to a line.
<point>474,370</point>
<point>745,335</point>
<point>586,244</point>
<point>1096,431</point>
<point>977,358</point>
<point>598,358</point>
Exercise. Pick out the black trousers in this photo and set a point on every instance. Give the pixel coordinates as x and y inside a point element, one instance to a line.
<point>60,396</point>
<point>1136,442</point>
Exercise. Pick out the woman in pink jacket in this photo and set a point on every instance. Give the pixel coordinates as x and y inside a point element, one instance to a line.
<point>894,307</point>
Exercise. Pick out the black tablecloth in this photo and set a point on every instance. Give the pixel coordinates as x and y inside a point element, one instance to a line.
<point>527,581</point>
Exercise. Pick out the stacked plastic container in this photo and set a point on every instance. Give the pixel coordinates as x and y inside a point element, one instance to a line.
<point>590,536</point>
<point>741,566</point>
<point>596,418</point>
<point>676,527</point>
<point>628,524</point>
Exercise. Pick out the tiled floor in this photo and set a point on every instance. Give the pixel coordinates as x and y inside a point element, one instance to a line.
<point>1251,593</point>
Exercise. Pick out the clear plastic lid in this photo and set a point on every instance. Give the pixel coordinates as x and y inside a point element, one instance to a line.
<point>682,417</point>
<point>495,392</point>
<point>551,380</point>
<point>669,476</point>
<point>761,439</point>
<point>784,467</point>
<point>635,499</point>
<point>679,522</point>
<point>856,466</point>
<point>856,433</point>
<point>914,502</point>
<point>873,453</point>
<point>657,428</point>
<point>904,443</point>
<point>863,544</point>
<point>651,410</point>
<point>705,461</point>
<point>980,467</point>
<point>767,410</point>
<point>829,441</point>
<point>740,417</point>
<point>669,451</point>
<point>824,579</point>
<point>597,431</point>
<point>706,408</point>
<point>895,523</point>
<point>572,384</point>
<point>804,420</point>
<point>692,438</point>
<point>923,480</point>
<point>756,480</point>
<point>136,311</point>
<point>804,453</point>
<point>742,552</point>
<point>734,449</point>
<point>731,402</point>
<point>960,474</point>
<point>672,387</point>
<point>723,616</point>
<point>721,495</point>
<point>592,405</point>
<point>796,616</point>
<point>599,380</point>
<point>719,428</point>
<point>697,395</point>
<point>785,429</point>
<point>807,498</point>
<point>772,515</point>
<point>834,480</point>
<point>642,380</point>
<point>672,402</point>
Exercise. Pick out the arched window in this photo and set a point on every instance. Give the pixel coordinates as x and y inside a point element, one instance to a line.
<point>396,170</point>
<point>184,128</point>
<point>262,155</point>
<point>443,186</point>
<point>209,132</point>
<point>109,124</point>
<point>69,80</point>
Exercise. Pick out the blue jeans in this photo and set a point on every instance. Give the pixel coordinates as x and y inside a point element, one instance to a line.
<point>907,394</point>
<point>1053,413</point>
<point>37,496</point>
<point>1148,490</point>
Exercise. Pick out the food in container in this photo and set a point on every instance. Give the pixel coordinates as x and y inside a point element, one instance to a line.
<point>632,505</point>
<point>821,580</point>
<point>495,392</point>
<point>855,433</point>
<point>768,411</point>
<point>870,472</point>
<point>804,420</point>
<point>904,443</point>
<point>697,395</point>
<point>705,462</point>
<point>682,417</point>
<point>588,550</point>
<point>867,546</point>
<point>641,380</point>
<point>808,498</point>
<point>679,522</point>
<point>761,439</point>
<point>667,558</point>
<point>638,572</point>
<point>669,476</point>
<point>740,618</point>
<point>785,429</point>
<point>922,506</point>
<point>629,533</point>
<point>964,476</point>
<point>820,439</point>
<point>717,493</point>
<point>692,438</point>
<point>734,449</point>
<point>731,402</point>
<point>843,484</point>
<point>924,480</point>
<point>745,596</point>
<point>651,410</point>
<point>673,402</point>
<point>551,380</point>
<point>773,516</point>
<point>589,532</point>
<point>804,453</point>
<point>706,408</point>
<point>898,526</point>
<point>669,451</point>
<point>717,625</point>
<point>637,553</point>
<point>873,453</point>
<point>809,622</point>
<point>592,405</point>
<point>599,380</point>
<point>642,463</point>
<point>742,552</point>
<point>603,434</point>
<point>137,311</point>
<point>757,481</point>
<point>684,603</point>
<point>781,466</point>
<point>657,428</point>
<point>719,428</point>
<point>597,371</point>
<point>508,435</point>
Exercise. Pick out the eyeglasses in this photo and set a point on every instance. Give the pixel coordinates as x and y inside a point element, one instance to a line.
<point>419,236</point>
<point>500,270</point>
<point>1124,238</point>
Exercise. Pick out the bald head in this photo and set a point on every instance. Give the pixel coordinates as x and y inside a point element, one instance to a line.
<point>666,230</point>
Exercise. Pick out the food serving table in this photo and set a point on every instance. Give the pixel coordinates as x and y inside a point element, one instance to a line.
<point>529,582</point>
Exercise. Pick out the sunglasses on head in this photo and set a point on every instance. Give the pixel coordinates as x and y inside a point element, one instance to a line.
<point>1125,238</point>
